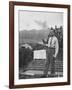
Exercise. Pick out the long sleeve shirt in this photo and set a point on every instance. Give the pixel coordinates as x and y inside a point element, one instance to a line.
<point>53,42</point>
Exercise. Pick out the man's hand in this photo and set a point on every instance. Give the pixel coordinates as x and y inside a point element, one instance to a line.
<point>54,55</point>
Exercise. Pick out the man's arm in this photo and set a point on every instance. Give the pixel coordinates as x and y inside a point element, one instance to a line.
<point>56,48</point>
<point>48,44</point>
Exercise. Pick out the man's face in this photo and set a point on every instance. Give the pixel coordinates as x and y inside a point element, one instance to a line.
<point>51,34</point>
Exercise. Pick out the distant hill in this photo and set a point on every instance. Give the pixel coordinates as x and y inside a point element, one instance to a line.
<point>32,35</point>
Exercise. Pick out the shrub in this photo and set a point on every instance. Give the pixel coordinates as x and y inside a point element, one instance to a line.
<point>25,56</point>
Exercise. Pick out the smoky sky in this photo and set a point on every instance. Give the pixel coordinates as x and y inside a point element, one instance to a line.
<point>29,20</point>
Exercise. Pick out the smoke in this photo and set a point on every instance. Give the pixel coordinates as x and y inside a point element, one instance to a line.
<point>42,24</point>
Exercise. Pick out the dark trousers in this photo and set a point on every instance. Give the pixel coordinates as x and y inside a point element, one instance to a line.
<point>50,62</point>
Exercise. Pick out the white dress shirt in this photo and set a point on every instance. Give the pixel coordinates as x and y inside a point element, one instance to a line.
<point>53,42</point>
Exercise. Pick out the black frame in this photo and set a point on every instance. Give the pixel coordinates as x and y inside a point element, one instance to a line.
<point>11,43</point>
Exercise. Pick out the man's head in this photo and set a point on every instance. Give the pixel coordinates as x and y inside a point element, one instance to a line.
<point>51,33</point>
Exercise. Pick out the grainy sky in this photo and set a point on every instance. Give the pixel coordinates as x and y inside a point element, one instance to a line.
<point>35,20</point>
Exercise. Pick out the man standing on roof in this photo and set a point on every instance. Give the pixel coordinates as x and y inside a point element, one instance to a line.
<point>52,52</point>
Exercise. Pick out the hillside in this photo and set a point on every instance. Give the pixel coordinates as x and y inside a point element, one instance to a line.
<point>32,35</point>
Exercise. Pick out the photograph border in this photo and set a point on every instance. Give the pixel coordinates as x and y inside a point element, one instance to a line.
<point>11,43</point>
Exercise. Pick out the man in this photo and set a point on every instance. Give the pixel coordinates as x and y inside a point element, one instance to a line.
<point>52,52</point>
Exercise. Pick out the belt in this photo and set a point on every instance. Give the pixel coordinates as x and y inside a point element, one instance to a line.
<point>51,47</point>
